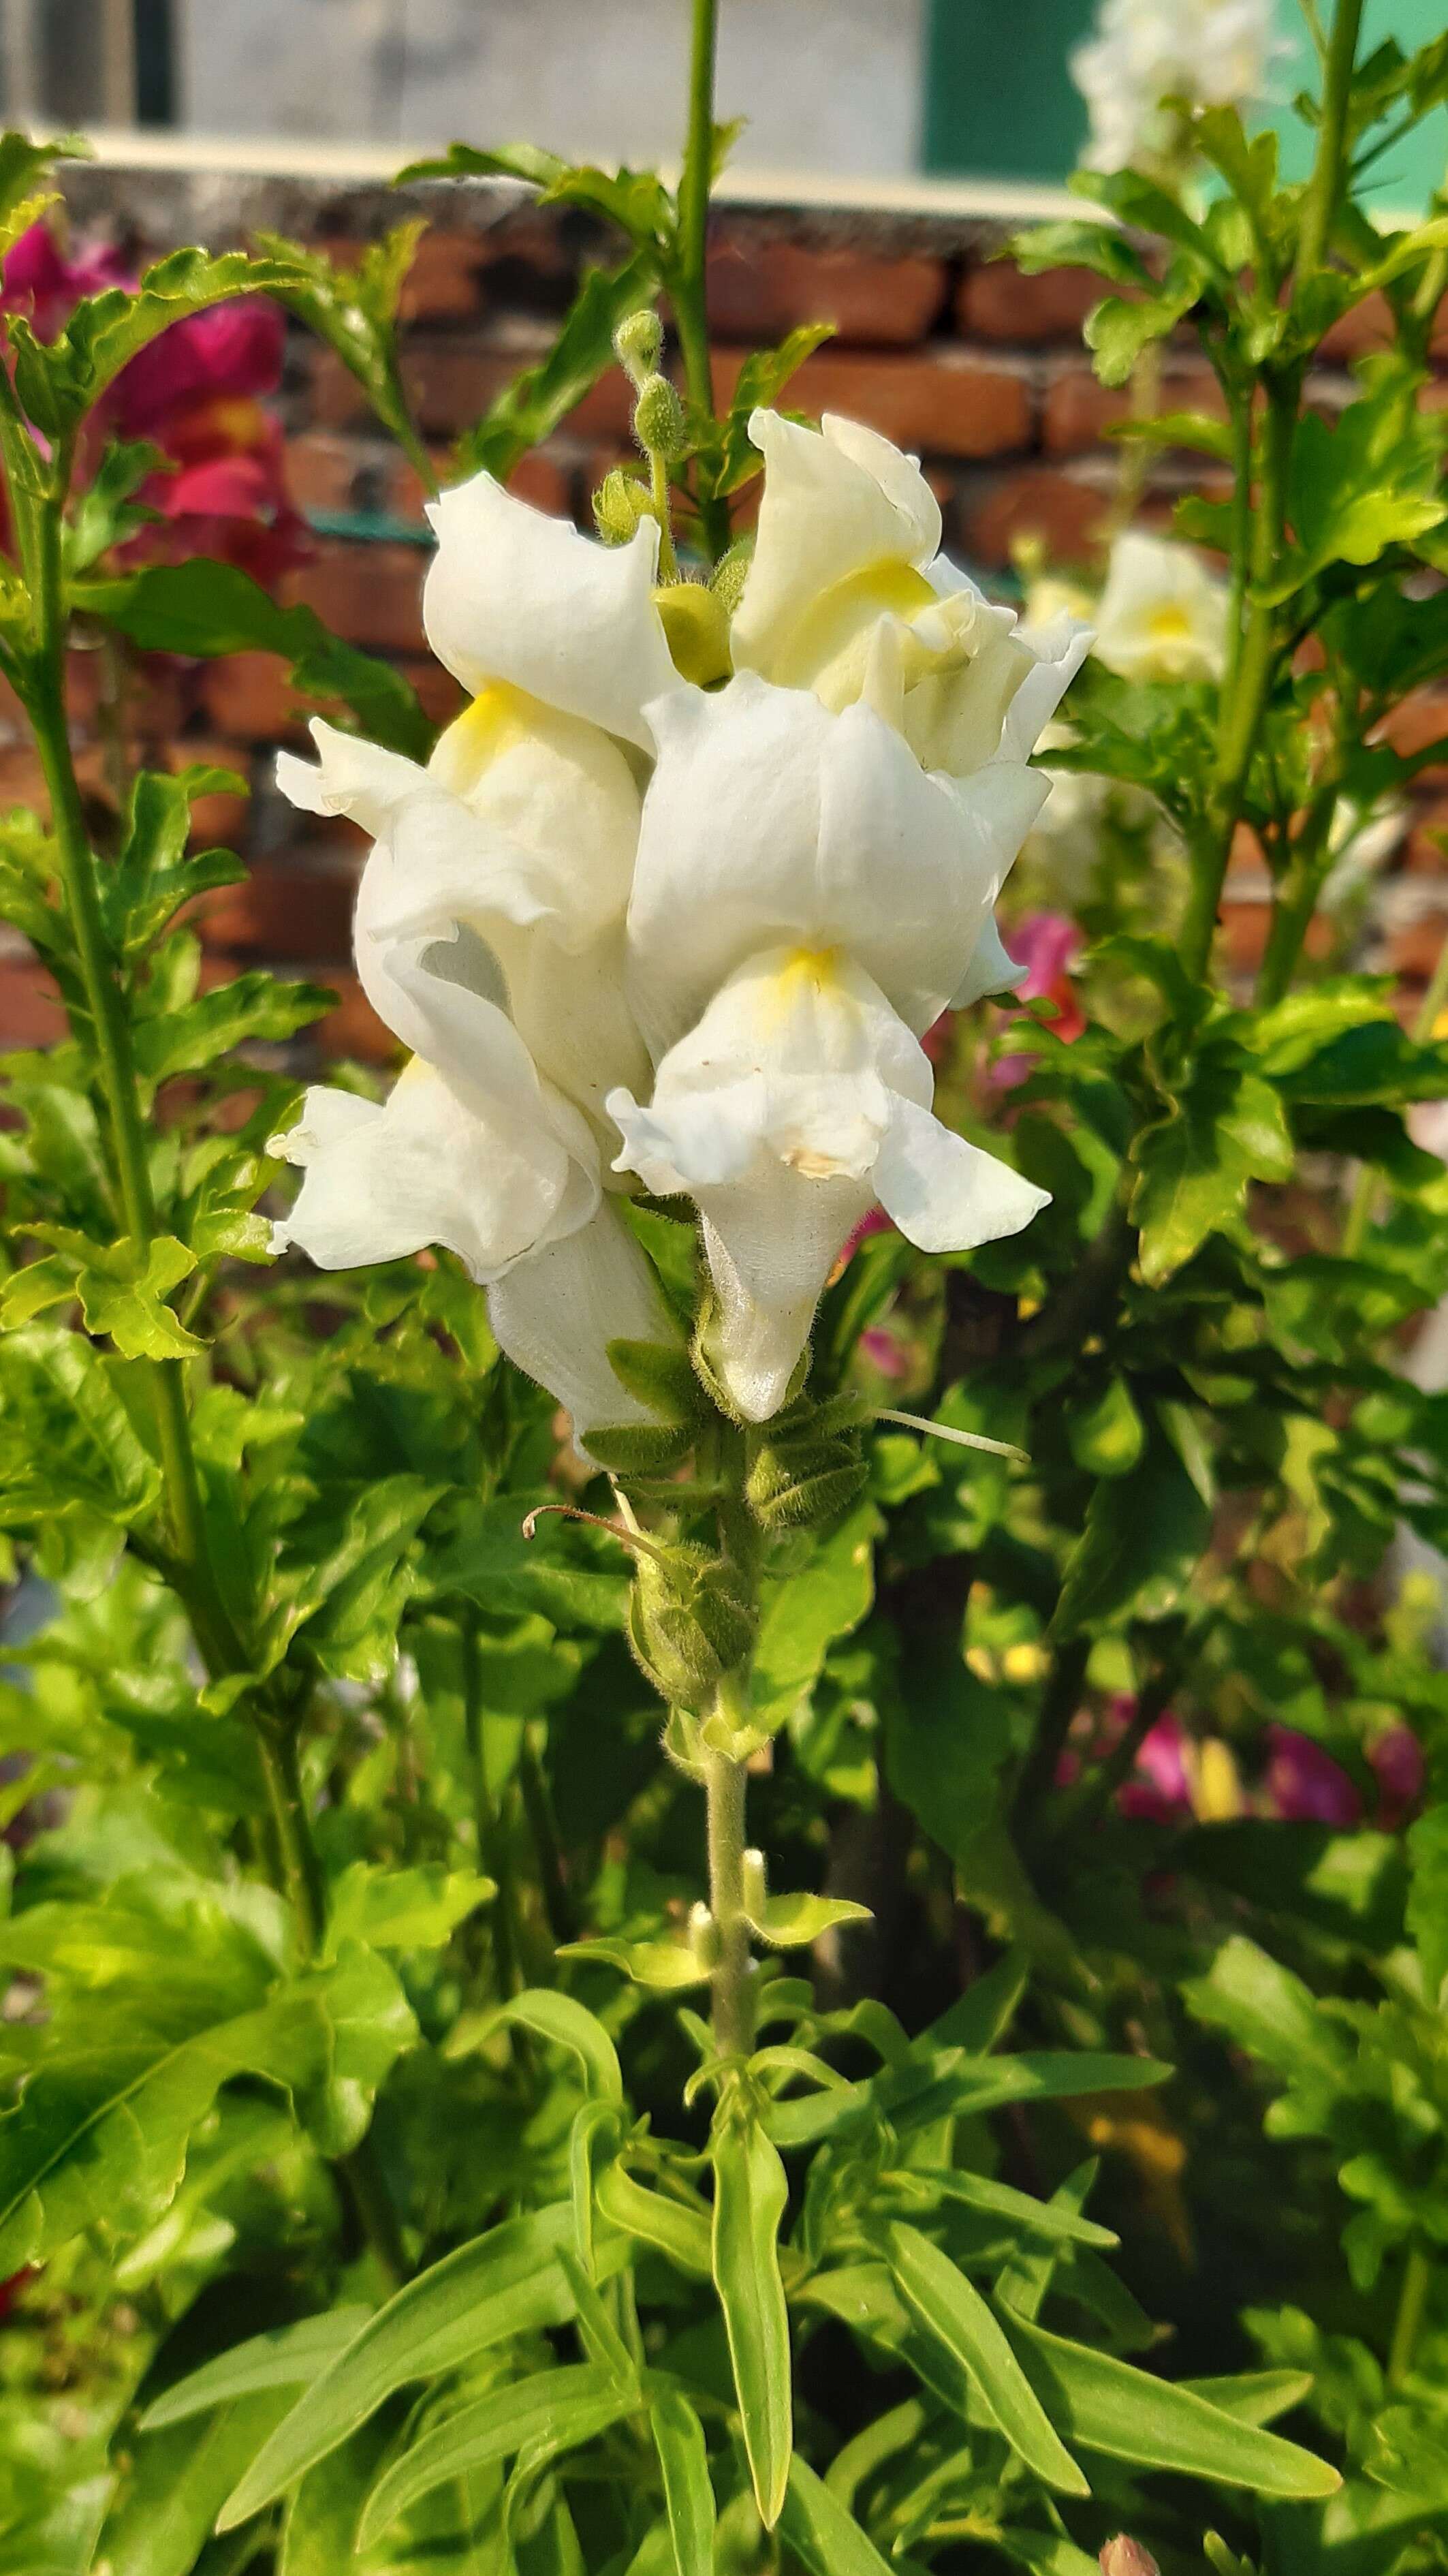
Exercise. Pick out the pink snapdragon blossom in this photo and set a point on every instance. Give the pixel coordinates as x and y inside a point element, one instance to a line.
<point>194,393</point>
<point>1046,944</point>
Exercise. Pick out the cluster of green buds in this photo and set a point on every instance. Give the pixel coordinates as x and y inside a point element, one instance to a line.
<point>695,614</point>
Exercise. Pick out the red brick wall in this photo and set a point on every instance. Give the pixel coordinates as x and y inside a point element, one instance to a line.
<point>939,342</point>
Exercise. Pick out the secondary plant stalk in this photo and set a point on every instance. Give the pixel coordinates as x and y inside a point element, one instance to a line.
<point>688,285</point>
<point>732,1977</point>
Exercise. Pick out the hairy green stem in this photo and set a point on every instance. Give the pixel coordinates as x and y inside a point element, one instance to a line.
<point>286,1801</point>
<point>688,282</point>
<point>1296,898</point>
<point>1324,190</point>
<point>732,1981</point>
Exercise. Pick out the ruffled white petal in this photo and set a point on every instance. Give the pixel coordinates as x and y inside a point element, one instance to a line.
<point>991,970</point>
<point>770,821</point>
<point>842,512</point>
<point>946,1195</point>
<point>556,1314</point>
<point>1057,652</point>
<point>799,1097</point>
<point>514,595</point>
<point>425,1168</point>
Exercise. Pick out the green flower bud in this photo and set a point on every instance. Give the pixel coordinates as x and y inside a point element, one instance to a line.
<point>1124,2556</point>
<point>620,502</point>
<point>690,1622</point>
<point>659,420</point>
<point>704,1937</point>
<point>698,636</point>
<point>637,343</point>
<point>730,573</point>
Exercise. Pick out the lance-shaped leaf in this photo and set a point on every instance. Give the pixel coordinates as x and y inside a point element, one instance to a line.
<point>822,2532</point>
<point>60,380</point>
<point>674,2229</point>
<point>952,2309</point>
<point>553,2411</point>
<point>1108,2405</point>
<point>541,396</point>
<point>502,2284</point>
<point>283,2357</point>
<point>163,2513</point>
<point>750,2196</point>
<point>688,2489</point>
<point>355,311</point>
<point>788,1922</point>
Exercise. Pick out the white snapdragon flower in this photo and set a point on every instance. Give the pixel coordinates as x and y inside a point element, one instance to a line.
<point>1208,53</point>
<point>849,595</point>
<point>489,938</point>
<point>1162,615</point>
<point>807,900</point>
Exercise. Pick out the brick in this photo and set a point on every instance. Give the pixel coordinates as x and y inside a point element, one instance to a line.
<point>449,383</point>
<point>995,302</point>
<point>352,1027</point>
<point>249,698</point>
<point>942,401</point>
<point>284,909</point>
<point>323,468</point>
<point>1064,511</point>
<point>442,283</point>
<point>542,477</point>
<point>1412,948</point>
<point>370,594</point>
<point>1364,327</point>
<point>1419,720</point>
<point>1077,411</point>
<point>762,288</point>
<point>438,692</point>
<point>1426,854</point>
<point>30,1010</point>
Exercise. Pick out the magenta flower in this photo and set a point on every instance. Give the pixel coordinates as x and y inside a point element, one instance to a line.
<point>1303,1782</point>
<point>1045,943</point>
<point>1396,1758</point>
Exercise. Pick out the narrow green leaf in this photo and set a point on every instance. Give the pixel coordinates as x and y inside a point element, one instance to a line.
<point>560,2020</point>
<point>673,2229</point>
<point>998,2200</point>
<point>504,2283</point>
<point>822,2532</point>
<point>788,1922</point>
<point>1253,2396</point>
<point>284,2357</point>
<point>1109,2405</point>
<point>164,2511</point>
<point>555,2409</point>
<point>952,2309</point>
<point>688,2489</point>
<point>669,1966</point>
<point>750,2196</point>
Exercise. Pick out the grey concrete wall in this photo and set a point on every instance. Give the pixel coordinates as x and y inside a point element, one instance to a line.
<point>826,84</point>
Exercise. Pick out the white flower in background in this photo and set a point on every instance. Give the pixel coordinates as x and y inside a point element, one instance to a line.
<point>849,596</point>
<point>1162,615</point>
<point>1209,53</point>
<point>807,900</point>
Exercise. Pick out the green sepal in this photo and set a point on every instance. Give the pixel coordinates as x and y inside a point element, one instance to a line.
<point>640,1448</point>
<point>659,1375</point>
<point>690,1622</point>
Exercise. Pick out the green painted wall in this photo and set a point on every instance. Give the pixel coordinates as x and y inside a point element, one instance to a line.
<point>999,102</point>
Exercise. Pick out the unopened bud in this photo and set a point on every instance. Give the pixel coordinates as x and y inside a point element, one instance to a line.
<point>756,1885</point>
<point>1124,2556</point>
<point>659,420</point>
<point>637,343</point>
<point>620,502</point>
<point>730,573</point>
<point>703,1937</point>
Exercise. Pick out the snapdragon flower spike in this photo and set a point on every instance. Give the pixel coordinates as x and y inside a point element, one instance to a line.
<point>849,595</point>
<point>806,902</point>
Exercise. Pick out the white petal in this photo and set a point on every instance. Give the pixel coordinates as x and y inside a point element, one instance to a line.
<point>771,1245</point>
<point>944,1194</point>
<point>1058,649</point>
<point>353,777</point>
<point>514,595</point>
<point>1162,615</point>
<point>770,821</point>
<point>841,510</point>
<point>424,1169</point>
<point>991,970</point>
<point>555,1315</point>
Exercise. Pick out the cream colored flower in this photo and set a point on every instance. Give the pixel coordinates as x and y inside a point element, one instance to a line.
<point>1162,615</point>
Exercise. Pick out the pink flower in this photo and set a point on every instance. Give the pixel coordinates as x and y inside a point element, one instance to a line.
<point>1396,1757</point>
<point>194,394</point>
<point>1160,1787</point>
<point>883,1351</point>
<point>1305,1783</point>
<point>1045,943</point>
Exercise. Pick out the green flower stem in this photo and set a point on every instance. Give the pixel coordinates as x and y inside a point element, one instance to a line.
<point>1254,658</point>
<point>552,1871</point>
<point>489,1823</point>
<point>732,1980</point>
<point>687,282</point>
<point>301,1867</point>
<point>1248,684</point>
<point>1296,899</point>
<point>1407,2324</point>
